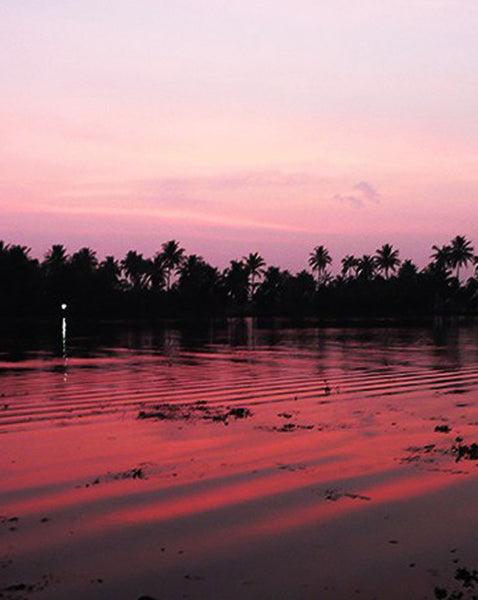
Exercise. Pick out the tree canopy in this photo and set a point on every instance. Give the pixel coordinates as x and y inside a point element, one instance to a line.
<point>174,283</point>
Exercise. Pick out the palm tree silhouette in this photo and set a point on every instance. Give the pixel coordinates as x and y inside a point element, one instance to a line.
<point>172,256</point>
<point>136,269</point>
<point>84,260</point>
<point>461,253</point>
<point>386,259</point>
<point>441,256</point>
<point>366,266</point>
<point>55,270</point>
<point>157,271</point>
<point>254,264</point>
<point>190,264</point>
<point>319,258</point>
<point>349,263</point>
<point>407,270</point>
<point>198,282</point>
<point>236,281</point>
<point>55,258</point>
<point>110,270</point>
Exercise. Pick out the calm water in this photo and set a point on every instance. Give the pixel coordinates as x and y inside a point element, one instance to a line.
<point>233,461</point>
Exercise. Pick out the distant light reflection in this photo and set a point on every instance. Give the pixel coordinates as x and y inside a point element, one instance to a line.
<point>64,349</point>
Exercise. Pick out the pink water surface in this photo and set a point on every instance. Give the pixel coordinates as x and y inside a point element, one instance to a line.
<point>336,486</point>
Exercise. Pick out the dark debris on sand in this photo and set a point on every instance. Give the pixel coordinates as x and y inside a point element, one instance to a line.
<point>134,473</point>
<point>288,427</point>
<point>18,591</point>
<point>197,411</point>
<point>465,451</point>
<point>334,494</point>
<point>443,428</point>
<point>468,579</point>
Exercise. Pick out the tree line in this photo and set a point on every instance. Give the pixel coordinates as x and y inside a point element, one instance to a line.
<point>173,283</point>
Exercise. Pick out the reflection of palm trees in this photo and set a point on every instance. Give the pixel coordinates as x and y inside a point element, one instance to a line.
<point>254,264</point>
<point>319,258</point>
<point>172,256</point>
<point>386,259</point>
<point>461,253</point>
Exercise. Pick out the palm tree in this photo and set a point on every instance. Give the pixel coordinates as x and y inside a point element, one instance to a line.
<point>56,258</point>
<point>461,253</point>
<point>349,263</point>
<point>274,278</point>
<point>157,271</point>
<point>407,270</point>
<point>84,260</point>
<point>198,281</point>
<point>441,256</point>
<point>172,256</point>
<point>386,259</point>
<point>190,264</point>
<point>254,264</point>
<point>136,269</point>
<point>55,270</point>
<point>366,266</point>
<point>236,281</point>
<point>110,270</point>
<point>319,258</point>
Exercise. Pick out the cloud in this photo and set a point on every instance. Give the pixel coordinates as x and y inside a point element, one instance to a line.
<point>362,193</point>
<point>207,192</point>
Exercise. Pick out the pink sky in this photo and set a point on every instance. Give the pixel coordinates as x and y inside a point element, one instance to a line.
<point>272,127</point>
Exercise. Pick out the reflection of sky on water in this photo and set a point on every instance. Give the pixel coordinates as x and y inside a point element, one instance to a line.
<point>350,473</point>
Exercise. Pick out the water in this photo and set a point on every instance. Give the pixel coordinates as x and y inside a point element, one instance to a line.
<point>268,462</point>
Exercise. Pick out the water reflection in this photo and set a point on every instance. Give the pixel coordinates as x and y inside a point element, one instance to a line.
<point>64,349</point>
<point>242,331</point>
<point>443,343</point>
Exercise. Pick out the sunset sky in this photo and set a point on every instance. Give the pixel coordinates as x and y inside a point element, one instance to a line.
<point>238,126</point>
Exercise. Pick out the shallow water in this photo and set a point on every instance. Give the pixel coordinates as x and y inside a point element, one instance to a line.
<point>331,483</point>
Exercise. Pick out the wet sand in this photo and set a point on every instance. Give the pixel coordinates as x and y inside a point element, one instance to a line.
<point>310,464</point>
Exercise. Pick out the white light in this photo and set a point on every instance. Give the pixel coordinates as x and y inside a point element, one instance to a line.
<point>63,306</point>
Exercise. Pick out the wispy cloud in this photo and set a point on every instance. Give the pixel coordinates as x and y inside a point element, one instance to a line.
<point>188,191</point>
<point>190,216</point>
<point>214,181</point>
<point>361,194</point>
